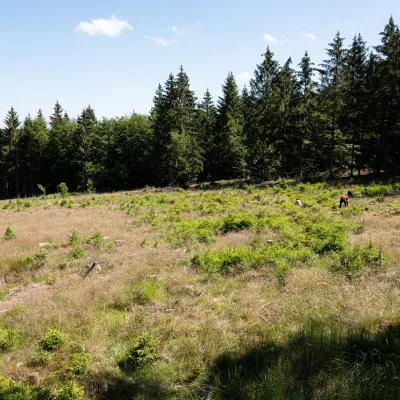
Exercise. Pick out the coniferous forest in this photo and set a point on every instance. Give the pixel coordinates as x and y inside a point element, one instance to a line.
<point>291,121</point>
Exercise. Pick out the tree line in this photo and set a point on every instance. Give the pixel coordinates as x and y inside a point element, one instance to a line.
<point>342,115</point>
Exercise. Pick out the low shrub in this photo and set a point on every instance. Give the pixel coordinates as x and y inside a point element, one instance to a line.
<point>41,357</point>
<point>42,189</point>
<point>236,223</point>
<point>142,352</point>
<point>228,260</point>
<point>357,257</point>
<point>9,234</point>
<point>8,339</point>
<point>97,239</point>
<point>63,188</point>
<point>53,340</point>
<point>74,239</point>
<point>76,253</point>
<point>79,363</point>
<point>70,391</point>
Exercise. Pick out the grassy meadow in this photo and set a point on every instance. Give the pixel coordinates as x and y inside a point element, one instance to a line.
<point>210,293</point>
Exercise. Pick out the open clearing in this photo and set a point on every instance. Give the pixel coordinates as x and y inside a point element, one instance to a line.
<point>232,293</point>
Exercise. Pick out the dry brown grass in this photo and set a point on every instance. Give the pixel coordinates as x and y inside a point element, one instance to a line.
<point>190,313</point>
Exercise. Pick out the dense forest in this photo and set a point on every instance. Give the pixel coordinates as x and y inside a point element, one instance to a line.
<point>342,115</point>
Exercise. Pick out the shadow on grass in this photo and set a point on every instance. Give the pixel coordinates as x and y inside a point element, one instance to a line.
<point>316,363</point>
<point>336,182</point>
<point>112,386</point>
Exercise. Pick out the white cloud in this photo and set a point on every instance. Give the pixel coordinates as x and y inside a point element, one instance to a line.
<point>270,38</point>
<point>310,36</point>
<point>106,27</point>
<point>176,29</point>
<point>160,40</point>
<point>243,77</point>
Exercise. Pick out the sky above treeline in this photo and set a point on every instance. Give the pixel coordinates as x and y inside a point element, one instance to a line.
<point>113,54</point>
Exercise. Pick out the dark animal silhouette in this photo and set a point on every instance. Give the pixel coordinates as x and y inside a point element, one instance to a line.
<point>345,199</point>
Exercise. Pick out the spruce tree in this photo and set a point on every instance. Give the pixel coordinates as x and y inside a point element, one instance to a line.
<point>9,149</point>
<point>307,109</point>
<point>371,139</point>
<point>332,84</point>
<point>57,117</point>
<point>186,104</point>
<point>263,135</point>
<point>354,97</point>
<point>286,109</point>
<point>207,121</point>
<point>229,158</point>
<point>84,138</point>
<point>389,95</point>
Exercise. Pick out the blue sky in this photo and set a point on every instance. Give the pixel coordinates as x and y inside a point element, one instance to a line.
<point>77,53</point>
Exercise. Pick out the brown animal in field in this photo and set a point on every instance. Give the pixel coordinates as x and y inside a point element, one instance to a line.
<point>345,199</point>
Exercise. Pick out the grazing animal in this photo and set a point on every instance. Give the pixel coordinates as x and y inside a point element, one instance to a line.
<point>345,199</point>
<point>298,203</point>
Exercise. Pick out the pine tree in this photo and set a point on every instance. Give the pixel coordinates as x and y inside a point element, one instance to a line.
<point>157,121</point>
<point>57,149</point>
<point>57,117</point>
<point>371,140</point>
<point>174,110</point>
<point>286,108</point>
<point>332,84</point>
<point>185,162</point>
<point>207,121</point>
<point>9,149</point>
<point>354,96</point>
<point>389,95</point>
<point>263,135</point>
<point>306,117</point>
<point>229,158</point>
<point>248,123</point>
<point>185,104</point>
<point>84,138</point>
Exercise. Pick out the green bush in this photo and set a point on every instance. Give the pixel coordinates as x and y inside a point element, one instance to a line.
<point>63,188</point>
<point>42,189</point>
<point>74,239</point>
<point>328,236</point>
<point>76,253</point>
<point>18,391</point>
<point>142,352</point>
<point>236,223</point>
<point>53,340</point>
<point>228,260</point>
<point>96,239</point>
<point>90,188</point>
<point>41,357</point>
<point>70,391</point>
<point>79,363</point>
<point>237,259</point>
<point>9,234</point>
<point>8,338</point>
<point>357,257</point>
<point>190,230</point>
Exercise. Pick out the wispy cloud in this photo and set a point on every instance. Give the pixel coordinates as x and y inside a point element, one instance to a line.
<point>270,38</point>
<point>161,41</point>
<point>243,77</point>
<point>310,36</point>
<point>107,27</point>
<point>198,22</point>
<point>177,29</point>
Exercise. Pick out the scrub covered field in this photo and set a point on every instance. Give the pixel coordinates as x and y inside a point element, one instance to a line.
<point>211,293</point>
